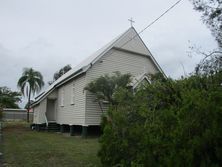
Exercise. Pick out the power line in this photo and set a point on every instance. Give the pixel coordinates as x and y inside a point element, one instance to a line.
<point>140,32</point>
<point>160,16</point>
<point>149,26</point>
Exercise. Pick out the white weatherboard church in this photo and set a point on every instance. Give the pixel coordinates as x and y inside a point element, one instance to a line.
<point>65,102</point>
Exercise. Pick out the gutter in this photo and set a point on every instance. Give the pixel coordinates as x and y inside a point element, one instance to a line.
<point>69,77</point>
<point>75,74</point>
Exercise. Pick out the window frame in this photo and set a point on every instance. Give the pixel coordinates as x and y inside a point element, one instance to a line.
<point>62,97</point>
<point>73,92</point>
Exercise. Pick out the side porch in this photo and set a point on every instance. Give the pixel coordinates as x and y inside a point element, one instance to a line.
<point>45,115</point>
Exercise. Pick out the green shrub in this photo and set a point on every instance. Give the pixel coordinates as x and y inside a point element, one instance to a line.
<point>1,113</point>
<point>167,123</point>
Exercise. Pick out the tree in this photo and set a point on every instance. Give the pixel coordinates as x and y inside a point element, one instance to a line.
<point>59,73</point>
<point>105,87</point>
<point>211,15</point>
<point>8,98</point>
<point>167,123</point>
<point>30,82</point>
<point>27,104</point>
<point>210,64</point>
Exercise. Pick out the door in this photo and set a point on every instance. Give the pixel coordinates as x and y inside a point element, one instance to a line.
<point>50,112</point>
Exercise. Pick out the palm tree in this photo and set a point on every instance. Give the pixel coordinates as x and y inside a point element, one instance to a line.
<point>30,82</point>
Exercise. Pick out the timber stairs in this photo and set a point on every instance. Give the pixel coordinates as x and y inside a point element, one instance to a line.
<point>52,127</point>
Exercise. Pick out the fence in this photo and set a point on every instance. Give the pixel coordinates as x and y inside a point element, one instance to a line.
<point>15,114</point>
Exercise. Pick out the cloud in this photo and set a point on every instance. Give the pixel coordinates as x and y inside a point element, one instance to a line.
<point>47,35</point>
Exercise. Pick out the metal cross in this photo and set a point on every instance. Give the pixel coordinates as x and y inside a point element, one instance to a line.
<point>131,21</point>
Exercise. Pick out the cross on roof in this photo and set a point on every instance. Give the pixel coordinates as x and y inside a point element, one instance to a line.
<point>131,21</point>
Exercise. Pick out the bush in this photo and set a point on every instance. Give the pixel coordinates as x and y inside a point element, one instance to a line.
<point>1,113</point>
<point>166,123</point>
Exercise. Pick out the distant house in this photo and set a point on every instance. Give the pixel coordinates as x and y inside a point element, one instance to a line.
<point>65,102</point>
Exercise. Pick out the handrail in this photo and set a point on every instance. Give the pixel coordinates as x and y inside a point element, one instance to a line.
<point>46,120</point>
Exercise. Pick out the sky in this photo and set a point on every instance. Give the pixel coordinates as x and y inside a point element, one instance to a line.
<point>49,34</point>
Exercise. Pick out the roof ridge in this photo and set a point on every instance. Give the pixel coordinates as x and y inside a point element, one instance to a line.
<point>86,62</point>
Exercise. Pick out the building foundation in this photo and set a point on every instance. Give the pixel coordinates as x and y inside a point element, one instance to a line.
<point>84,131</point>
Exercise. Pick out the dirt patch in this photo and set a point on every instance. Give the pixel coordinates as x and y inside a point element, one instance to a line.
<point>12,127</point>
<point>15,130</point>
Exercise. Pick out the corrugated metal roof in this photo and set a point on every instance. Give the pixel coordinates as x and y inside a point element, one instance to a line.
<point>82,67</point>
<point>86,64</point>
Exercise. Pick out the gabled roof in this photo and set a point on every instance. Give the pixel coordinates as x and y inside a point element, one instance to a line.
<point>138,79</point>
<point>126,40</point>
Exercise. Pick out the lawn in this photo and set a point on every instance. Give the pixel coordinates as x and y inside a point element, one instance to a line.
<point>24,147</point>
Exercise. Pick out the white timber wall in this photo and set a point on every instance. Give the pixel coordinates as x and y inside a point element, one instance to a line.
<point>53,95</point>
<point>132,42</point>
<point>114,60</point>
<point>94,111</point>
<point>35,114</point>
<point>71,112</point>
<point>39,112</point>
<point>40,109</point>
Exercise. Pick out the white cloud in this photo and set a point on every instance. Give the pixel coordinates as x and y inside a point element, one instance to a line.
<point>48,34</point>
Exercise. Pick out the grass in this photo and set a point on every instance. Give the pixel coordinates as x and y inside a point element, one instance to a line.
<point>23,147</point>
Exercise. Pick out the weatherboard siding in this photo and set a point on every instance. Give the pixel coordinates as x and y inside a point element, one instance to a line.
<point>53,95</point>
<point>40,109</point>
<point>132,42</point>
<point>114,60</point>
<point>125,62</point>
<point>126,54</point>
<point>39,112</point>
<point>71,113</point>
<point>93,110</point>
<point>35,114</point>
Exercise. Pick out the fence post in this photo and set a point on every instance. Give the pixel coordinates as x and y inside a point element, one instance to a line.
<point>1,137</point>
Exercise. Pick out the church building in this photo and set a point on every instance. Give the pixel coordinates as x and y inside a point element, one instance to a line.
<point>67,103</point>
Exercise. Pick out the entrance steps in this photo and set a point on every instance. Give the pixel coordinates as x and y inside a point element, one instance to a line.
<point>53,127</point>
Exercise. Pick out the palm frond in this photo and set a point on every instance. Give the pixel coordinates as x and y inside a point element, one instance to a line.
<point>30,80</point>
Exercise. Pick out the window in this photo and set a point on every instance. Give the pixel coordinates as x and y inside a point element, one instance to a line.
<point>62,97</point>
<point>73,94</point>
